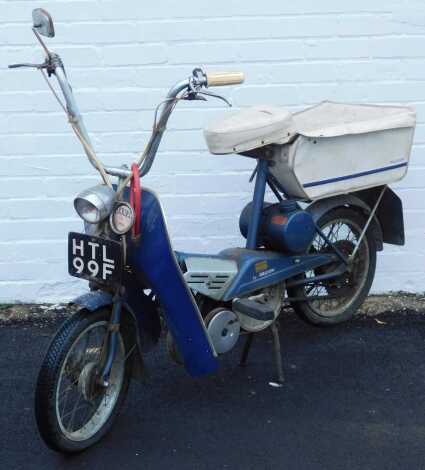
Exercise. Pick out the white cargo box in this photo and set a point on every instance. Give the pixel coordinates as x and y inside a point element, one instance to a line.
<point>338,148</point>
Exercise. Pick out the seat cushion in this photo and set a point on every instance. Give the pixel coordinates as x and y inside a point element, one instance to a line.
<point>249,129</point>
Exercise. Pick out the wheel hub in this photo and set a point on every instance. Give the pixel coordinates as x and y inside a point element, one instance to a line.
<point>88,381</point>
<point>344,280</point>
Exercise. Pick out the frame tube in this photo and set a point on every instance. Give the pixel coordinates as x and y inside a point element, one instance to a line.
<point>113,338</point>
<point>257,204</point>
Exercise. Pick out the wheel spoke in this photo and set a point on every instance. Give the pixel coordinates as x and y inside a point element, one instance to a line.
<point>66,393</point>
<point>344,235</point>
<point>71,422</point>
<point>75,412</point>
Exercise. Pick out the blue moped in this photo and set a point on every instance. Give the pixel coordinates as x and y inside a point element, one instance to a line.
<point>314,248</point>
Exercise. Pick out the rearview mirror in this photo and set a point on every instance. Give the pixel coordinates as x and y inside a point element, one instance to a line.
<point>43,23</point>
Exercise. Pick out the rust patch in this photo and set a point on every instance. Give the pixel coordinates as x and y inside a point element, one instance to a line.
<point>279,220</point>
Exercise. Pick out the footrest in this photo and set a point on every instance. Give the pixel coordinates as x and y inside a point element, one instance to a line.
<point>253,309</point>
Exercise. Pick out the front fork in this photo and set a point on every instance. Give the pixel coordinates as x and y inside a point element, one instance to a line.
<point>112,337</point>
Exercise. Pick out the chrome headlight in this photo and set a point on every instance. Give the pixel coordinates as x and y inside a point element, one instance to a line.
<point>95,204</point>
<point>122,218</point>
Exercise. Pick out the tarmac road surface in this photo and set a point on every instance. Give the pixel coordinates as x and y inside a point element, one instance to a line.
<point>353,399</point>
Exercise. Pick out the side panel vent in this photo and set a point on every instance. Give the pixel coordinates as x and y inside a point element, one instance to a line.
<point>209,275</point>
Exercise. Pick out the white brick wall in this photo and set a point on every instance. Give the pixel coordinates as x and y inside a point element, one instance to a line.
<point>122,57</point>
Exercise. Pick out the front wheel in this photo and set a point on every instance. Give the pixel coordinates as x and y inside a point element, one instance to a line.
<point>337,300</point>
<point>73,411</point>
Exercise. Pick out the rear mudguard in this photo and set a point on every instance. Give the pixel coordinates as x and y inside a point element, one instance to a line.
<point>153,258</point>
<point>389,213</point>
<point>319,208</point>
<point>387,225</point>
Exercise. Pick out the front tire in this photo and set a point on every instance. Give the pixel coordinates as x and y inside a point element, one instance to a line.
<point>72,411</point>
<point>343,226</point>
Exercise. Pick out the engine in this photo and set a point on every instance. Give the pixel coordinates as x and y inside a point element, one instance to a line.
<point>284,227</point>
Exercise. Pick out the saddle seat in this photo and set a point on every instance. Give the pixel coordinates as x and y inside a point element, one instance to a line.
<point>249,129</point>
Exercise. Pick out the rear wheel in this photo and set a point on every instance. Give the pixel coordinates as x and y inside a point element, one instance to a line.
<point>342,296</point>
<point>73,411</point>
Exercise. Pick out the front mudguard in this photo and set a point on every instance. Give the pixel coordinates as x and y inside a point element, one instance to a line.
<point>139,319</point>
<point>93,300</point>
<point>152,258</point>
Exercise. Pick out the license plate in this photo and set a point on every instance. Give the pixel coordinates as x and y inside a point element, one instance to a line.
<point>94,258</point>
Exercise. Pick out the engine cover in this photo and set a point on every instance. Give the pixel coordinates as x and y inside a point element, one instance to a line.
<point>223,328</point>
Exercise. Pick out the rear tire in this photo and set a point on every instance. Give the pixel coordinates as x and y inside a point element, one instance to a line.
<point>59,365</point>
<point>326,312</point>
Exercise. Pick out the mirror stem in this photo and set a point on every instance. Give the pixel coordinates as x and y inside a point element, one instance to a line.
<point>41,42</point>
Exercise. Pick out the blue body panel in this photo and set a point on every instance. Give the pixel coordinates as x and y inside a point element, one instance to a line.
<point>259,269</point>
<point>153,257</point>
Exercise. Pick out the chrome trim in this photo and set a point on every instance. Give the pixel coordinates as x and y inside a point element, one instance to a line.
<point>120,172</point>
<point>111,217</point>
<point>101,197</point>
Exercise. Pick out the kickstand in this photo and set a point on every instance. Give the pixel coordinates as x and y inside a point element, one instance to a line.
<point>246,349</point>
<point>277,357</point>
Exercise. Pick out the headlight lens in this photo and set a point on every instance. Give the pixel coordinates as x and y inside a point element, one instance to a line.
<point>95,204</point>
<point>122,218</point>
<point>87,211</point>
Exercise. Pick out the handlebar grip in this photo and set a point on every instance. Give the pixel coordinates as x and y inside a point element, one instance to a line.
<point>224,78</point>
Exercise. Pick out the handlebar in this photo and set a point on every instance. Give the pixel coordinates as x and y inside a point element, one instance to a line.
<point>35,66</point>
<point>193,84</point>
<point>224,78</point>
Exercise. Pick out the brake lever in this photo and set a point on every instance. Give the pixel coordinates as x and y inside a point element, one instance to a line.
<point>196,82</point>
<point>195,96</point>
<point>34,66</point>
<point>213,95</point>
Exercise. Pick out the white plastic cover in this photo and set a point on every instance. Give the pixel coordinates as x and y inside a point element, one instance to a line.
<point>343,148</point>
<point>330,119</point>
<point>331,148</point>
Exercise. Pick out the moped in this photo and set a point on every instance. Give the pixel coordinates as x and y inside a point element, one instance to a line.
<point>314,248</point>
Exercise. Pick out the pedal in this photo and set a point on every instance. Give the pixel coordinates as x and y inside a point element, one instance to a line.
<point>253,309</point>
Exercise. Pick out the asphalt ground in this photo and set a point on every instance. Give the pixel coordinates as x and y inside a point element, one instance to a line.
<point>353,399</point>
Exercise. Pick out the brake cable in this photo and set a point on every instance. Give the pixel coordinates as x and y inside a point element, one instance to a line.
<point>143,155</point>
<point>87,147</point>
